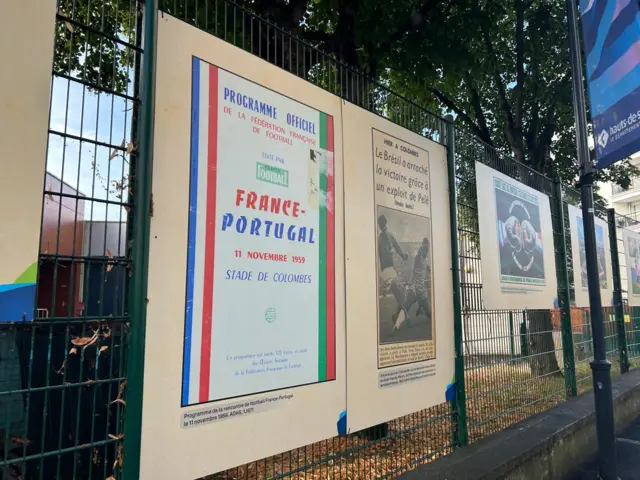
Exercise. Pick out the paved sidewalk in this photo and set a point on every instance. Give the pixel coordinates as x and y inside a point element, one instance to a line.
<point>628,447</point>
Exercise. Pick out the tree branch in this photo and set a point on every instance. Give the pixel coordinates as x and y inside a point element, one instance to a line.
<point>512,136</point>
<point>477,107</point>
<point>449,103</point>
<point>520,73</point>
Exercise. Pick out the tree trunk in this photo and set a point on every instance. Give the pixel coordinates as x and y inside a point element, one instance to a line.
<point>542,349</point>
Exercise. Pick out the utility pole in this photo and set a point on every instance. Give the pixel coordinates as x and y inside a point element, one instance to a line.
<point>600,366</point>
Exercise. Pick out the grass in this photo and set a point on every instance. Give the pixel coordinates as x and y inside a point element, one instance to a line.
<point>499,395</point>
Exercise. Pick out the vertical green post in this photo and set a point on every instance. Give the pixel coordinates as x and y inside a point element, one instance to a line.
<point>461,401</point>
<point>141,224</point>
<point>512,347</point>
<point>564,294</point>
<point>524,337</point>
<point>617,292</point>
<point>587,321</point>
<point>635,323</point>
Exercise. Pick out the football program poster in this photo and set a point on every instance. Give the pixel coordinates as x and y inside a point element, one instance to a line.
<point>246,280</point>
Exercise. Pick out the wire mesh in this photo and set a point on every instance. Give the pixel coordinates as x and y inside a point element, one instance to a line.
<point>513,359</point>
<point>631,319</point>
<point>62,376</point>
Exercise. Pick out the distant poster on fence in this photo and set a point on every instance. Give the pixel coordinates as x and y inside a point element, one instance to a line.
<point>610,30</point>
<point>605,275</point>
<point>244,252</point>
<point>399,314</point>
<point>23,134</point>
<point>631,242</point>
<point>516,243</point>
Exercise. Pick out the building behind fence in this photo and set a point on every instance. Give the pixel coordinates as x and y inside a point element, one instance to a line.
<point>64,413</point>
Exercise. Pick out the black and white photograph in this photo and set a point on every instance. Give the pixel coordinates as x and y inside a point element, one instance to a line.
<point>405,303</point>
<point>519,235</point>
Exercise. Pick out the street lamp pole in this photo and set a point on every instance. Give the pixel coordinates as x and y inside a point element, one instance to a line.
<point>600,366</point>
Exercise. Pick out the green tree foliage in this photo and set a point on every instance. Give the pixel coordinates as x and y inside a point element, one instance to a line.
<point>500,66</point>
<point>85,46</point>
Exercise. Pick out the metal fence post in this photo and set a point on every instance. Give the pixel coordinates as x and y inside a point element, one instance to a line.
<point>141,224</point>
<point>617,292</point>
<point>635,325</point>
<point>512,346</point>
<point>461,402</point>
<point>524,336</point>
<point>564,298</point>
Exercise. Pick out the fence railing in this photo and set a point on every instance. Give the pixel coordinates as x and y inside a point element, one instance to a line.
<point>64,399</point>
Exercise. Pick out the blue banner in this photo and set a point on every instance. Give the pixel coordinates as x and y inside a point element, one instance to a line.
<point>611,31</point>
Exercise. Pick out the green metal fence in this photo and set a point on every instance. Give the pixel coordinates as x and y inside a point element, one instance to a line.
<point>71,381</point>
<point>63,376</point>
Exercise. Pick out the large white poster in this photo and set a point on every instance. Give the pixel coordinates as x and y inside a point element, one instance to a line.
<point>400,309</point>
<point>516,243</point>
<point>246,303</point>
<point>631,241</point>
<point>25,85</point>
<point>581,286</point>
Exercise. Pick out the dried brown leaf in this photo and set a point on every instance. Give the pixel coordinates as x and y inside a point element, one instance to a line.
<point>110,478</point>
<point>96,456</point>
<point>85,342</point>
<point>81,341</point>
<point>73,351</point>
<point>119,400</point>
<point>102,349</point>
<point>106,333</point>
<point>109,267</point>
<point>109,254</point>
<point>20,440</point>
<point>69,26</point>
<point>61,369</point>
<point>116,437</point>
<point>130,148</point>
<point>49,188</point>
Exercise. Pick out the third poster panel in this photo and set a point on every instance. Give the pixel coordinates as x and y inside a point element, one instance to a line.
<point>516,243</point>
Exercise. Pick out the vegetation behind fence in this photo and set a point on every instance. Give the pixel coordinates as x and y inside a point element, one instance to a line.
<point>64,399</point>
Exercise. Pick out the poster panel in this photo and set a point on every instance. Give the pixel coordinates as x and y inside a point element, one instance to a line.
<point>246,303</point>
<point>631,242</point>
<point>516,243</point>
<point>581,286</point>
<point>400,309</point>
<point>23,133</point>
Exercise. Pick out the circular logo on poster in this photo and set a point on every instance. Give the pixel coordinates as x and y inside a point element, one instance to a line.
<point>521,236</point>
<point>270,315</point>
